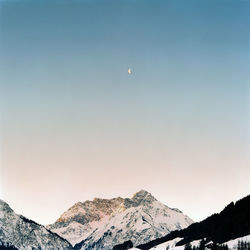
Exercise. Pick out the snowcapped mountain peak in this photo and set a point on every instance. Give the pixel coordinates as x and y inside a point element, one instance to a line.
<point>89,211</point>
<point>103,223</point>
<point>143,196</point>
<point>22,233</point>
<point>142,193</point>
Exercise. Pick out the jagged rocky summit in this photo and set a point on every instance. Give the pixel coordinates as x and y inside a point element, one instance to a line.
<point>104,223</point>
<point>21,233</point>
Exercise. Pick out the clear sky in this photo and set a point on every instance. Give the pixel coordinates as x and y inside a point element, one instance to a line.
<point>75,125</point>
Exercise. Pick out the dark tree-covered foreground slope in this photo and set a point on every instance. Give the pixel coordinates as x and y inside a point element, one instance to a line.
<point>232,222</point>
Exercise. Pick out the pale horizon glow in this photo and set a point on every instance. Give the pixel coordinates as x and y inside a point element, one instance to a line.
<point>76,125</point>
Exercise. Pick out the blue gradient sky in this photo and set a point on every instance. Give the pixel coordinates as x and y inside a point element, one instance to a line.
<point>75,124</point>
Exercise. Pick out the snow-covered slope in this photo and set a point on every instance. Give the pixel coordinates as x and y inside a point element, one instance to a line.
<point>232,244</point>
<point>23,233</point>
<point>103,223</point>
<point>171,244</point>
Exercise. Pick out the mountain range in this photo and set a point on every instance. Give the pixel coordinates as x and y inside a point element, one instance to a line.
<point>103,223</point>
<point>121,223</point>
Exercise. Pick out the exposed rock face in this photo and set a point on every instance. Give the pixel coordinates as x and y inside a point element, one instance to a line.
<point>89,211</point>
<point>22,233</point>
<point>104,223</point>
